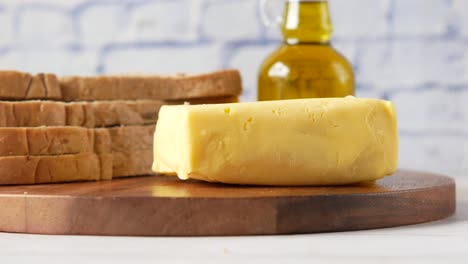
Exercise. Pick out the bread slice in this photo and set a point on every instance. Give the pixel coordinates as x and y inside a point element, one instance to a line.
<point>65,154</point>
<point>112,113</point>
<point>87,114</point>
<point>45,141</point>
<point>124,139</point>
<point>225,83</point>
<point>51,169</point>
<point>130,164</point>
<point>77,167</point>
<point>16,85</point>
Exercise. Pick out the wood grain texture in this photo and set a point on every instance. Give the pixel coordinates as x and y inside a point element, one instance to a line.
<point>166,206</point>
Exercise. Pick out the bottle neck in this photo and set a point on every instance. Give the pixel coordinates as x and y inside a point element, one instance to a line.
<point>307,21</point>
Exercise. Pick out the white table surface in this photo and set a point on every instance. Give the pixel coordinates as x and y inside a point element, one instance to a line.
<point>444,241</point>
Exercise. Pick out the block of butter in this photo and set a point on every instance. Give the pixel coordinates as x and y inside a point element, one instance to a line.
<point>332,141</point>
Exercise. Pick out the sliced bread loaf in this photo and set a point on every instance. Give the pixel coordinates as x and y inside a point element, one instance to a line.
<point>124,139</point>
<point>41,141</point>
<point>50,169</point>
<point>130,164</point>
<point>217,84</point>
<point>16,85</point>
<point>44,141</point>
<point>87,114</point>
<point>74,167</point>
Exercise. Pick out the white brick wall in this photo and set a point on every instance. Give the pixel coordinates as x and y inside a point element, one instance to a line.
<point>6,21</point>
<point>273,8</point>
<point>59,61</point>
<point>434,153</point>
<point>101,24</point>
<point>413,52</point>
<point>434,109</point>
<point>230,20</point>
<point>411,62</point>
<point>43,27</point>
<point>360,18</point>
<point>461,16</point>
<point>162,59</point>
<point>150,22</point>
<point>366,92</point>
<point>421,17</point>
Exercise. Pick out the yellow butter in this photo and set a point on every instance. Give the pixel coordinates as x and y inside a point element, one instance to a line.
<point>292,142</point>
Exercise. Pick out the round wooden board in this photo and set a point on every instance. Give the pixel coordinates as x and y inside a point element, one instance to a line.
<point>166,206</point>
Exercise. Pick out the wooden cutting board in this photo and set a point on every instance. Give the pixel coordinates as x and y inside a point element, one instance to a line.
<point>166,206</point>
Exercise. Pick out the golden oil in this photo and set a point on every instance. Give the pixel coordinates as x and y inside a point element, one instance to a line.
<point>305,65</point>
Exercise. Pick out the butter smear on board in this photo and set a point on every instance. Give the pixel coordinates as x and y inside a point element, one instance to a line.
<point>330,141</point>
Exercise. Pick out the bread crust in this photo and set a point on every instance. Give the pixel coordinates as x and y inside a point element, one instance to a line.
<point>51,169</point>
<point>225,83</point>
<point>88,114</point>
<point>15,85</point>
<point>63,129</point>
<point>47,141</point>
<point>17,170</point>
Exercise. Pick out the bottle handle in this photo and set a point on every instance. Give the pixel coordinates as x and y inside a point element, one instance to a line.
<point>268,19</point>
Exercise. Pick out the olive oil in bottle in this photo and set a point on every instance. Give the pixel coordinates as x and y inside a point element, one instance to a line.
<point>305,65</point>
